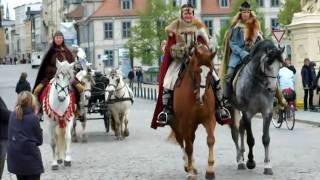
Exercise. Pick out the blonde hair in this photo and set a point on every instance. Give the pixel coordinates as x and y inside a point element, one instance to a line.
<point>25,99</point>
<point>237,18</point>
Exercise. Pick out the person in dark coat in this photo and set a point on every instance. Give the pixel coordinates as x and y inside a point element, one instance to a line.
<point>24,137</point>
<point>307,83</point>
<point>139,76</point>
<point>23,84</point>
<point>4,119</point>
<point>131,78</point>
<point>57,51</point>
<point>318,84</point>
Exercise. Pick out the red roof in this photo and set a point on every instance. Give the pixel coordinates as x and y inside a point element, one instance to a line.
<point>113,8</point>
<point>211,7</point>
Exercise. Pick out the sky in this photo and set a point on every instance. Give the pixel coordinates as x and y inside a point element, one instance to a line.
<point>15,3</point>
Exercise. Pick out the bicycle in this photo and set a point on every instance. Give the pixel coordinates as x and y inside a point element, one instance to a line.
<point>287,114</point>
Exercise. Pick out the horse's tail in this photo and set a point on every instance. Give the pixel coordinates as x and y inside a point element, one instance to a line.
<point>61,141</point>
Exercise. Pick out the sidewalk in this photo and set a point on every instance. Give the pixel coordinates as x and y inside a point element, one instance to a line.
<point>308,117</point>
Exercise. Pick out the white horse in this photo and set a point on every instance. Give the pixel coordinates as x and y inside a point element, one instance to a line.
<point>59,108</point>
<point>119,98</point>
<point>87,80</point>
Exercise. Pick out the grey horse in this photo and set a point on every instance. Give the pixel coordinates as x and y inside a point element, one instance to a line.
<point>254,93</point>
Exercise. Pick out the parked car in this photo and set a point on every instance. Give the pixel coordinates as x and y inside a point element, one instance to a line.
<point>36,59</point>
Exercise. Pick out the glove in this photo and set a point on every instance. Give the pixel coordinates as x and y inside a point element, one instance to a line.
<point>38,89</point>
<point>79,87</point>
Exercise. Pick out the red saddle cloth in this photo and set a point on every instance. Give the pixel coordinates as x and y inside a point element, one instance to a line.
<point>62,119</point>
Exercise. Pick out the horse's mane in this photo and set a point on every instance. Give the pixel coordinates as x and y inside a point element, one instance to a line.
<point>266,47</point>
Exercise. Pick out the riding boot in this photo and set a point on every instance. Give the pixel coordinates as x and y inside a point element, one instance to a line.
<point>222,113</point>
<point>165,117</point>
<point>282,101</point>
<point>228,86</point>
<point>36,92</point>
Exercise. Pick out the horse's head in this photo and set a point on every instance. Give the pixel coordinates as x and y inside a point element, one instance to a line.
<point>268,60</point>
<point>62,79</point>
<point>115,82</point>
<point>86,78</point>
<point>201,68</point>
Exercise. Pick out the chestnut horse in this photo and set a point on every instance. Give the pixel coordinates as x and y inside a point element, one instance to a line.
<point>194,104</point>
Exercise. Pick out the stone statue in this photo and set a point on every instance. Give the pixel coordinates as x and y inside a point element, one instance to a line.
<point>310,6</point>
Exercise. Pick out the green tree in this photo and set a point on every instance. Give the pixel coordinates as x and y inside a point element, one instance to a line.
<point>235,10</point>
<point>288,9</point>
<point>149,32</point>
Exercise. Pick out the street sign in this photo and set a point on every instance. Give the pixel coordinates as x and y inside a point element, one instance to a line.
<point>278,34</point>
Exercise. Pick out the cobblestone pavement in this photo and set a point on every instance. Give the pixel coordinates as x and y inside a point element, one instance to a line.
<point>146,155</point>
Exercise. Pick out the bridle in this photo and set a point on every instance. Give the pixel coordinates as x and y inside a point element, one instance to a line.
<point>64,89</point>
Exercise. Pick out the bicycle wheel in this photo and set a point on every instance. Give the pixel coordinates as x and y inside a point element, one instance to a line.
<point>290,117</point>
<point>275,118</point>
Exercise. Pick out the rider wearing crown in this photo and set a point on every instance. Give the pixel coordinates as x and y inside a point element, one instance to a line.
<point>57,51</point>
<point>244,33</point>
<point>182,34</point>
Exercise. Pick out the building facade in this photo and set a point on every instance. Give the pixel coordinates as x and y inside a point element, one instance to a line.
<point>23,30</point>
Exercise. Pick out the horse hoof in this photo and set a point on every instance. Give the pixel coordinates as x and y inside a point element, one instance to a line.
<point>75,140</point>
<point>59,161</point>
<point>67,163</point>
<point>185,169</point>
<point>84,140</point>
<point>126,133</point>
<point>191,177</point>
<point>54,167</point>
<point>241,166</point>
<point>268,171</point>
<point>195,171</point>
<point>251,164</point>
<point>210,175</point>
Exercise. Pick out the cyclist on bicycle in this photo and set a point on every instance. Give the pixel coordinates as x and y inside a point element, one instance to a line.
<point>286,81</point>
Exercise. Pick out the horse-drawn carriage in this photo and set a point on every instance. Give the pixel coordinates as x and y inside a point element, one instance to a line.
<point>97,103</point>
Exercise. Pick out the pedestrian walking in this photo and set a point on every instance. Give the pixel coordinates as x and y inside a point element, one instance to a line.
<point>131,78</point>
<point>4,119</point>
<point>318,85</point>
<point>23,84</point>
<point>15,59</point>
<point>139,75</point>
<point>307,83</point>
<point>24,137</point>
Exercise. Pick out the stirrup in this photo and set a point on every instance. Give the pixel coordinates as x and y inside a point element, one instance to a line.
<point>160,120</point>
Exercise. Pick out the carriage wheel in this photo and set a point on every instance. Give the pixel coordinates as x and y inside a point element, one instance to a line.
<point>106,119</point>
<point>290,117</point>
<point>275,118</point>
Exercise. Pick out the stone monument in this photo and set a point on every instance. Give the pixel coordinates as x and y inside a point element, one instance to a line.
<point>305,40</point>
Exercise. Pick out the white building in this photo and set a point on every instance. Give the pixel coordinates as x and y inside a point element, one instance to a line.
<point>20,28</point>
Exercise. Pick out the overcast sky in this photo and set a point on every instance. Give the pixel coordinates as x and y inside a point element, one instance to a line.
<point>15,3</point>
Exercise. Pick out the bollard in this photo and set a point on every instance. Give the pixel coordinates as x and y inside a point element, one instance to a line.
<point>155,95</point>
<point>148,93</point>
<point>144,93</point>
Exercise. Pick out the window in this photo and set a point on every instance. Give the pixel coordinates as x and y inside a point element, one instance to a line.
<point>126,4</point>
<point>224,23</point>
<point>209,25</point>
<point>108,30</point>
<point>275,3</point>
<point>274,23</point>
<point>223,3</point>
<point>193,3</point>
<point>108,58</point>
<point>260,3</point>
<point>126,29</point>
